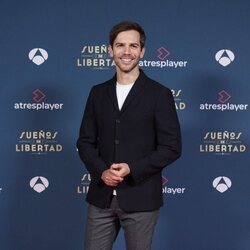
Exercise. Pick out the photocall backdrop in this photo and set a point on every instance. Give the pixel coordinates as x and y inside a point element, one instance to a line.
<point>53,52</point>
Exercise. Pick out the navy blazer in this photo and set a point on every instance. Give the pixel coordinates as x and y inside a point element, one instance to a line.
<point>145,134</point>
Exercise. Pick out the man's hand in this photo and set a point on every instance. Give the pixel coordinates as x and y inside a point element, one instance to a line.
<point>122,169</point>
<point>111,177</point>
<point>115,174</point>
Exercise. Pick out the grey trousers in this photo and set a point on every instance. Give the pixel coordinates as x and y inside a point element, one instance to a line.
<point>103,226</point>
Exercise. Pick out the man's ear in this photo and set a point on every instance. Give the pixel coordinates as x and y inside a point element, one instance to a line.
<point>110,50</point>
<point>142,52</point>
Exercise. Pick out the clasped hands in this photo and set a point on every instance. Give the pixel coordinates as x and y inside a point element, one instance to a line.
<point>115,174</point>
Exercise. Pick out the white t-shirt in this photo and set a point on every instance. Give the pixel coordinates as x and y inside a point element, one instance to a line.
<point>122,91</point>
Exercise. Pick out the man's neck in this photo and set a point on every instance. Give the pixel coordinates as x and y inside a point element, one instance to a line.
<point>127,78</point>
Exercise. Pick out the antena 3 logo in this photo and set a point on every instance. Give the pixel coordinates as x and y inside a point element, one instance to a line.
<point>179,104</point>
<point>96,57</point>
<point>38,97</point>
<point>84,187</point>
<point>162,53</point>
<point>224,57</point>
<point>39,184</point>
<point>223,105</point>
<point>38,142</point>
<point>222,184</point>
<point>171,190</point>
<point>38,56</point>
<point>222,143</point>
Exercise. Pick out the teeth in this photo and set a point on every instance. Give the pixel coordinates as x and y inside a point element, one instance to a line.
<point>126,59</point>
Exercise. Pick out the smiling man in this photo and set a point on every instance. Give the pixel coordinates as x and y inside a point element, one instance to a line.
<point>129,133</point>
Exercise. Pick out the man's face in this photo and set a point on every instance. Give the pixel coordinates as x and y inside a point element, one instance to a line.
<point>127,51</point>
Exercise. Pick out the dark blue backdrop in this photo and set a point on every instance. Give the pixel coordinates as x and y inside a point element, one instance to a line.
<point>43,183</point>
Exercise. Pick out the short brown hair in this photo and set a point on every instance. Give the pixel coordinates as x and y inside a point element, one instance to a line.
<point>125,26</point>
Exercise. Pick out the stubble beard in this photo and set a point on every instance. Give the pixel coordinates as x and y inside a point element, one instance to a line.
<point>130,68</point>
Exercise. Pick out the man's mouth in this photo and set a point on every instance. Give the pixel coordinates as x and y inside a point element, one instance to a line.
<point>126,60</point>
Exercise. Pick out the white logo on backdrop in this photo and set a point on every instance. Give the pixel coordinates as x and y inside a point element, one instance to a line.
<point>38,56</point>
<point>39,183</point>
<point>222,184</point>
<point>224,57</point>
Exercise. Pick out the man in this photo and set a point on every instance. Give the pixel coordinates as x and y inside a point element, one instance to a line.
<point>129,133</point>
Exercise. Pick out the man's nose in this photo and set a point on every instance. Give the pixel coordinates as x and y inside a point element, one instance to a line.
<point>127,50</point>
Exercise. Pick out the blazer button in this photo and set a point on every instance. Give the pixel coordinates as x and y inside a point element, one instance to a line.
<point>118,121</point>
<point>116,142</point>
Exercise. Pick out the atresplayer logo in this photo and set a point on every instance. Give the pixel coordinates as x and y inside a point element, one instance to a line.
<point>163,60</point>
<point>171,190</point>
<point>222,143</point>
<point>179,104</point>
<point>224,105</point>
<point>223,96</point>
<point>38,142</point>
<point>162,53</point>
<point>95,57</point>
<point>38,96</point>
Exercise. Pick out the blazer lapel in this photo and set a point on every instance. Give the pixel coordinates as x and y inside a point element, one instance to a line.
<point>136,89</point>
<point>112,93</point>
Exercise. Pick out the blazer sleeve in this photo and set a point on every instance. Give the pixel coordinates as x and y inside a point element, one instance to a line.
<point>87,141</point>
<point>168,140</point>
